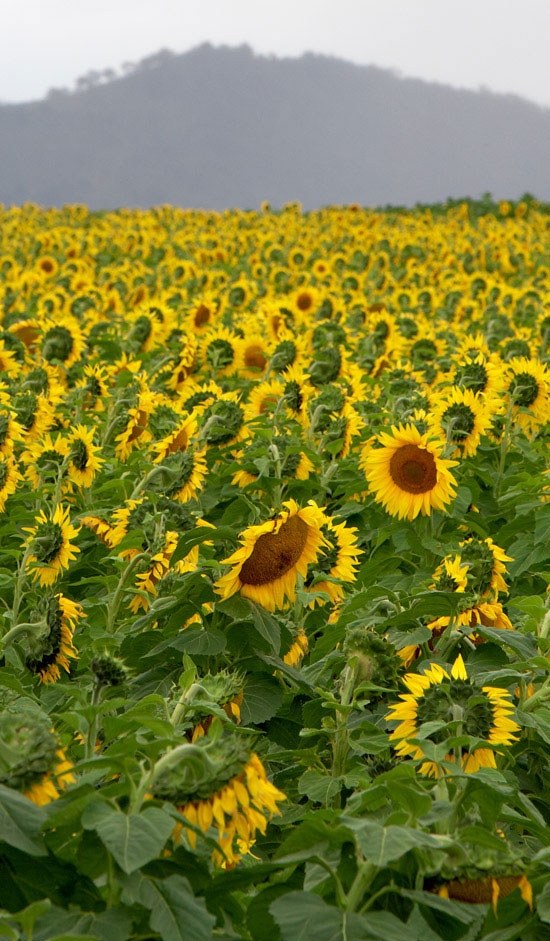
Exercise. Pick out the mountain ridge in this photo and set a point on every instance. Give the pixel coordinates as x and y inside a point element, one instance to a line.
<point>217,127</point>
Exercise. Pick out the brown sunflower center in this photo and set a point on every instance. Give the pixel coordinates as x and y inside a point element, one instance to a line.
<point>255,358</point>
<point>413,469</point>
<point>275,553</point>
<point>202,315</point>
<point>304,301</point>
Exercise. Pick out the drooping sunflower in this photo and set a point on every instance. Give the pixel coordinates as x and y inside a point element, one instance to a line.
<point>230,793</point>
<point>184,366</point>
<point>156,570</point>
<point>51,549</point>
<point>9,477</point>
<point>407,473</point>
<point>273,554</point>
<point>37,766</point>
<point>35,413</point>
<point>337,559</point>
<point>528,389</point>
<point>8,362</point>
<point>480,374</point>
<point>482,712</point>
<point>100,527</point>
<point>96,383</point>
<point>460,416</point>
<point>84,460</point>
<point>55,647</point>
<point>223,421</point>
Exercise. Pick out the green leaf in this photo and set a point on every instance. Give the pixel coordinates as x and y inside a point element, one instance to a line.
<point>543,904</point>
<point>20,822</point>
<point>196,641</point>
<point>380,845</point>
<point>175,912</point>
<point>302,916</point>
<point>133,839</point>
<point>318,786</point>
<point>262,698</point>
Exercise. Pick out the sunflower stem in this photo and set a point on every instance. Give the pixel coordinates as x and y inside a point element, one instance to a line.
<point>93,727</point>
<point>365,874</point>
<point>340,742</point>
<point>18,590</point>
<point>114,602</point>
<point>14,632</point>
<point>504,447</point>
<point>60,474</point>
<point>186,697</point>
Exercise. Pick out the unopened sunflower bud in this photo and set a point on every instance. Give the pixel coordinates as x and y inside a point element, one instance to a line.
<point>109,670</point>
<point>376,659</point>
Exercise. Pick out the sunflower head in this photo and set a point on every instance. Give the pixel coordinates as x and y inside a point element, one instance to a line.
<point>376,659</point>
<point>272,555</point>
<point>53,647</point>
<point>33,761</point>
<point>407,473</point>
<point>108,669</point>
<point>457,703</point>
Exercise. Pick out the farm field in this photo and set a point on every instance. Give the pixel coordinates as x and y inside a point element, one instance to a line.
<point>274,570</point>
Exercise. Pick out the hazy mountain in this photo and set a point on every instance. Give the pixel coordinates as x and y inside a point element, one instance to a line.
<point>219,127</point>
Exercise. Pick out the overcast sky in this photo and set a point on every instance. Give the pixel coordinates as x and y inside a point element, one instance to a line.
<point>500,44</point>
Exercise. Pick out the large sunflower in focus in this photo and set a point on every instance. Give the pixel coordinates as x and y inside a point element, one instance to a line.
<point>273,554</point>
<point>407,473</point>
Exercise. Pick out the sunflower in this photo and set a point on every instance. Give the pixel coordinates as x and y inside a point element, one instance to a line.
<point>480,374</point>
<point>51,549</point>
<point>203,313</point>
<point>100,527</point>
<point>273,554</point>
<point>487,890</point>
<point>219,351</point>
<point>136,432</point>
<point>9,477</point>
<point>185,365</point>
<point>252,354</point>
<point>407,473</point>
<point>8,362</point>
<point>195,396</point>
<point>84,462</point>
<point>177,440</point>
<point>157,569</point>
<point>62,340</point>
<point>528,389</point>
<point>54,648</point>
<point>297,392</point>
<point>230,792</point>
<point>43,459</point>
<point>149,326</point>
<point>182,475</point>
<point>337,559</point>
<point>96,383</point>
<point>298,649</point>
<point>460,416</point>
<point>10,431</point>
<point>303,302</point>
<point>36,764</point>
<point>486,566</point>
<point>223,421</point>
<point>434,696</point>
<point>128,517</point>
<point>45,379</point>
<point>263,397</point>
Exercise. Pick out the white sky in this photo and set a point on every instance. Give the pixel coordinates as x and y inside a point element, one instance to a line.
<point>501,44</point>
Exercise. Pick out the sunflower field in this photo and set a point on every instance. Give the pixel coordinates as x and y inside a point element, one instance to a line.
<point>274,571</point>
